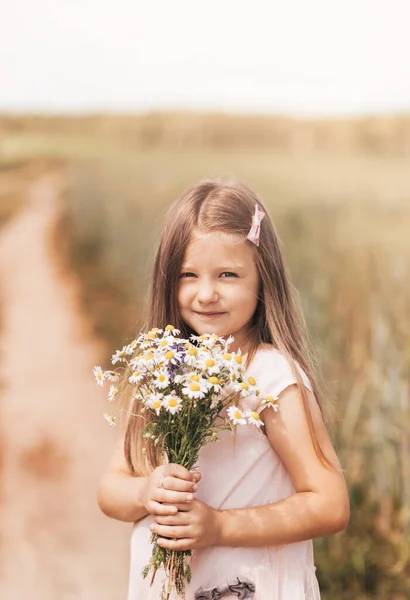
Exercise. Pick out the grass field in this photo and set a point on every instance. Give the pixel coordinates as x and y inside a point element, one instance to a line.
<point>343,213</point>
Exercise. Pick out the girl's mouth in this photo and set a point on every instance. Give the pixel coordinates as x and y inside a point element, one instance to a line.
<point>209,315</point>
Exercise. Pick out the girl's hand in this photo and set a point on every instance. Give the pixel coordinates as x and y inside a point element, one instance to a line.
<point>167,486</point>
<point>196,525</point>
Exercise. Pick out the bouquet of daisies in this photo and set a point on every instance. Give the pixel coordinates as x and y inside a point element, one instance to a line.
<point>183,387</point>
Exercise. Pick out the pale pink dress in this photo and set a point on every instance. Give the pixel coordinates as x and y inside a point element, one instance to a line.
<point>238,473</point>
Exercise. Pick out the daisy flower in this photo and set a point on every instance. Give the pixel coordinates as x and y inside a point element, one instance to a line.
<point>238,358</point>
<point>119,356</point>
<point>155,402</point>
<point>211,366</point>
<point>172,403</point>
<point>99,375</point>
<point>227,359</point>
<point>209,340</point>
<point>172,331</point>
<point>131,347</point>
<point>155,331</point>
<point>147,340</point>
<point>171,356</point>
<point>111,376</point>
<point>248,386</point>
<point>194,390</point>
<point>110,418</point>
<point>254,418</point>
<point>113,391</point>
<point>161,379</point>
<point>136,377</point>
<point>191,356</point>
<point>148,359</point>
<point>236,415</point>
<point>164,343</point>
<point>271,401</point>
<point>214,384</point>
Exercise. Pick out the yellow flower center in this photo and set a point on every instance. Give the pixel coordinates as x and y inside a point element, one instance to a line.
<point>194,387</point>
<point>149,356</point>
<point>237,414</point>
<point>227,356</point>
<point>133,344</point>
<point>169,354</point>
<point>172,402</point>
<point>156,404</point>
<point>150,336</point>
<point>255,416</point>
<point>194,378</point>
<point>154,330</point>
<point>202,337</point>
<point>271,399</point>
<point>251,380</point>
<point>214,336</point>
<point>137,373</point>
<point>233,377</point>
<point>214,380</point>
<point>163,343</point>
<point>210,362</point>
<point>169,328</point>
<point>238,359</point>
<point>161,378</point>
<point>192,352</point>
<point>244,385</point>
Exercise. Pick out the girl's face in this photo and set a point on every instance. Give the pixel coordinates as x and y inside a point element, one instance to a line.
<point>218,286</point>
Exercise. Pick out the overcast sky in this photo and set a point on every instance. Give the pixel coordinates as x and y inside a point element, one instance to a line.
<point>307,57</point>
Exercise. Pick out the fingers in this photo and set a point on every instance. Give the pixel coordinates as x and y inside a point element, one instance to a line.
<point>197,476</point>
<point>156,508</point>
<point>169,531</point>
<point>179,518</point>
<point>185,507</point>
<point>178,485</point>
<point>178,471</point>
<point>170,497</point>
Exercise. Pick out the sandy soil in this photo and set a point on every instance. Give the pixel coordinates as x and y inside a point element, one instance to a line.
<point>54,542</point>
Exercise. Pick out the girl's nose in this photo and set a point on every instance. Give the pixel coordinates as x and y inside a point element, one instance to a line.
<point>206,292</point>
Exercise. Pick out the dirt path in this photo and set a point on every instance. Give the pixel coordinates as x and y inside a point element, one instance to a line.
<point>54,542</point>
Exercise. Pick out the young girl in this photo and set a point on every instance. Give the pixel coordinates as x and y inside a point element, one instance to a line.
<point>258,497</point>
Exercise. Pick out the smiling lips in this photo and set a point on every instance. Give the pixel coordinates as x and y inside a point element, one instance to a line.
<point>209,315</point>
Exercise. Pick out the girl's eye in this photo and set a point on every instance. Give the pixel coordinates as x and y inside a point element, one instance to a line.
<point>228,274</point>
<point>185,275</point>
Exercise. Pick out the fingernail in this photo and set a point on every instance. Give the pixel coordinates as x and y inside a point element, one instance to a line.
<point>189,497</point>
<point>194,488</point>
<point>151,526</point>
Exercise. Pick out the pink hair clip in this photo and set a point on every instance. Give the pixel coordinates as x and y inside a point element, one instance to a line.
<point>255,231</point>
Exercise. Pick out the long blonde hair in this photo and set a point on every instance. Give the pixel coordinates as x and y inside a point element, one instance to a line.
<point>226,207</point>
